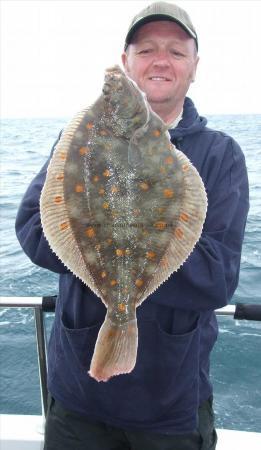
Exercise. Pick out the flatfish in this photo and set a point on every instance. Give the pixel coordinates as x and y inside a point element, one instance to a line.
<point>122,208</point>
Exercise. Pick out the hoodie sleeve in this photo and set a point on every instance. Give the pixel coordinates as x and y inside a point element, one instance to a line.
<point>29,229</point>
<point>209,277</point>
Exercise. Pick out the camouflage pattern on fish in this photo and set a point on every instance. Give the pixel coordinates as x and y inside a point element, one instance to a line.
<point>123,209</point>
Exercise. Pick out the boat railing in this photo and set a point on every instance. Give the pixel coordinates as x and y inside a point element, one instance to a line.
<point>42,305</point>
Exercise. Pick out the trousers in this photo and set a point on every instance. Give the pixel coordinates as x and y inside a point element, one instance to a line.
<point>67,430</point>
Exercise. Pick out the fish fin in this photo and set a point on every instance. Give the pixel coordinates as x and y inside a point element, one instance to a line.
<point>56,222</point>
<point>115,350</point>
<point>188,224</point>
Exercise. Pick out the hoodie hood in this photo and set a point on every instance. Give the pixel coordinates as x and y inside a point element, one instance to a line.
<point>191,121</point>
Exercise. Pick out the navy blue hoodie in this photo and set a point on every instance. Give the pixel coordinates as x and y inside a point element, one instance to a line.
<point>177,324</point>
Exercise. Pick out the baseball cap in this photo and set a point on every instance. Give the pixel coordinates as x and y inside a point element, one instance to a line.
<point>161,11</point>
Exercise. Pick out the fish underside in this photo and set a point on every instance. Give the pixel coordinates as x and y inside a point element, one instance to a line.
<point>122,208</point>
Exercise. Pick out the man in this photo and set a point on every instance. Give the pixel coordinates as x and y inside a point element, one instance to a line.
<point>165,403</point>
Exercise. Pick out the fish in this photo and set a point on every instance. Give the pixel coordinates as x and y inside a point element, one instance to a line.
<point>123,209</point>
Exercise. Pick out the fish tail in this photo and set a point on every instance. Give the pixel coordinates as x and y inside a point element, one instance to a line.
<point>115,350</point>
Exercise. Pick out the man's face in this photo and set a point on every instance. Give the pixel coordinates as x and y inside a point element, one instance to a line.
<point>162,60</point>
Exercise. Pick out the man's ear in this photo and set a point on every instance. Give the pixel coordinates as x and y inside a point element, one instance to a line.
<point>195,69</point>
<point>124,60</point>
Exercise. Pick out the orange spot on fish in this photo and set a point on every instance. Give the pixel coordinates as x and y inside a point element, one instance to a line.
<point>150,254</point>
<point>156,133</point>
<point>114,189</point>
<point>60,177</point>
<point>185,167</point>
<point>144,186</point>
<point>105,205</point>
<point>119,252</point>
<point>160,225</point>
<point>101,191</point>
<point>139,282</point>
<point>84,150</point>
<point>113,282</point>
<point>89,125</point>
<point>109,241</point>
<point>62,156</point>
<point>121,307</point>
<point>184,217</point>
<point>64,226</point>
<point>179,233</point>
<point>58,199</point>
<point>103,274</point>
<point>95,178</point>
<point>106,173</point>
<point>90,232</point>
<point>169,160</point>
<point>168,193</point>
<point>111,333</point>
<point>79,188</point>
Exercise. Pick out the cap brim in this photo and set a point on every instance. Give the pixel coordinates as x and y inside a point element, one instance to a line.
<point>154,18</point>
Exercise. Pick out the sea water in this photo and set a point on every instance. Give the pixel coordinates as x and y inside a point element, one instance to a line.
<point>236,359</point>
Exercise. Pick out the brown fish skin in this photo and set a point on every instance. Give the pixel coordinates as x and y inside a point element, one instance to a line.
<point>124,103</point>
<point>123,209</point>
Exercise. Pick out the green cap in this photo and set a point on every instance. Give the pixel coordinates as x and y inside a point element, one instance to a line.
<point>161,11</point>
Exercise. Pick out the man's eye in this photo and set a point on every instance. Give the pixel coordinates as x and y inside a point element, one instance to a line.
<point>176,53</point>
<point>144,51</point>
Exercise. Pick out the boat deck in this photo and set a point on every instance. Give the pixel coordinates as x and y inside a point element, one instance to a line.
<point>19,432</point>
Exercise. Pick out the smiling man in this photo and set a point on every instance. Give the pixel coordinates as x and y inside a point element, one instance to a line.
<point>165,403</point>
<point>162,58</point>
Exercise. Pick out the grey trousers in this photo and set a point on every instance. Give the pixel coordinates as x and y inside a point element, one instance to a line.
<point>66,430</point>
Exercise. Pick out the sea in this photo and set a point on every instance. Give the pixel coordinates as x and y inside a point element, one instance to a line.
<point>236,358</point>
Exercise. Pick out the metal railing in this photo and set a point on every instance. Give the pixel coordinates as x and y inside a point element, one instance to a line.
<point>41,305</point>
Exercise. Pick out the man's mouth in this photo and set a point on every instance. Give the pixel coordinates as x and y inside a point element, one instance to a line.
<point>157,78</point>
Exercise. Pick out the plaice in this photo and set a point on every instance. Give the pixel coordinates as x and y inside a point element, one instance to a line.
<point>123,209</point>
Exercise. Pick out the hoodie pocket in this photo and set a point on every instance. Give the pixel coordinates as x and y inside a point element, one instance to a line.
<point>163,383</point>
<point>165,377</point>
<point>164,380</point>
<point>79,343</point>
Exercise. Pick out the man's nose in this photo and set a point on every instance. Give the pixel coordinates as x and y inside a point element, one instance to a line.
<point>161,59</point>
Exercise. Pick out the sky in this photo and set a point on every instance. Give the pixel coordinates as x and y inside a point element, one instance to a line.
<point>54,54</point>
